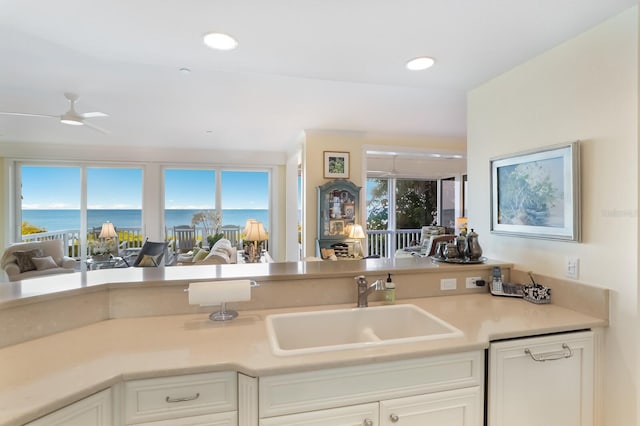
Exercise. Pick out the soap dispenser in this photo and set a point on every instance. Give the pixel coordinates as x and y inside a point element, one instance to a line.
<point>390,291</point>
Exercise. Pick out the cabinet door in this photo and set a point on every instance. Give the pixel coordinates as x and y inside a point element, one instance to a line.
<point>357,415</point>
<point>542,381</point>
<point>94,410</point>
<point>458,407</point>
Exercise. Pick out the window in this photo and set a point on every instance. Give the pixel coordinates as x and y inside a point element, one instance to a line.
<point>50,199</point>
<point>234,196</point>
<point>245,195</point>
<point>377,204</point>
<point>114,195</point>
<point>187,192</point>
<point>416,202</point>
<point>395,217</point>
<point>51,202</point>
<point>447,202</point>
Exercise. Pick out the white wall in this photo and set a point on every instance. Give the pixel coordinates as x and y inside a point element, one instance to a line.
<point>586,89</point>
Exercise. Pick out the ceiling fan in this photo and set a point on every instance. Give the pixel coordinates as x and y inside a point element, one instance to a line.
<point>71,117</point>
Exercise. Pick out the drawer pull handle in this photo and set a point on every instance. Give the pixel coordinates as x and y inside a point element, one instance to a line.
<point>394,418</point>
<point>551,356</point>
<point>187,398</point>
<point>367,422</point>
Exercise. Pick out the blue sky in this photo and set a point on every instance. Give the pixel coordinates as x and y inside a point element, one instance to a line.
<point>121,188</point>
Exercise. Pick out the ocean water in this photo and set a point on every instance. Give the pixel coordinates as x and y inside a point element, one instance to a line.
<point>53,220</point>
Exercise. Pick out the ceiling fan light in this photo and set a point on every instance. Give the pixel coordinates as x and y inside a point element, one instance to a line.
<point>71,120</point>
<point>220,41</point>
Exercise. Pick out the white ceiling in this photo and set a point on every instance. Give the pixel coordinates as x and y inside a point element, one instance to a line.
<point>301,64</point>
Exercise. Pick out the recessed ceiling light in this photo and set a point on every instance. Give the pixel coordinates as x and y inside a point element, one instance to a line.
<point>220,41</point>
<point>421,63</point>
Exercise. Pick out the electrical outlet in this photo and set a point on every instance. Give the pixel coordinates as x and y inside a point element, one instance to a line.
<point>471,282</point>
<point>572,267</point>
<point>448,284</point>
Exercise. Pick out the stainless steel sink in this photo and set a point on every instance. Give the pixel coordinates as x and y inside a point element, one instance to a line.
<point>339,329</point>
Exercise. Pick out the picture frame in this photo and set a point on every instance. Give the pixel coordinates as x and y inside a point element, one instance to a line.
<point>336,227</point>
<point>536,194</point>
<point>349,211</point>
<point>336,165</point>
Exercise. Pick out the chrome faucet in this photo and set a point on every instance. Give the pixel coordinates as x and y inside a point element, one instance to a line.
<point>364,289</point>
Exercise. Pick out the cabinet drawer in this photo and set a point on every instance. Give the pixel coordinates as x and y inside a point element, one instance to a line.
<point>182,396</point>
<point>459,407</point>
<point>315,390</point>
<point>364,414</point>
<point>218,419</point>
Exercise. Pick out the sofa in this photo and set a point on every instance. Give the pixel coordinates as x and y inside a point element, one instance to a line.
<point>221,253</point>
<point>36,258</point>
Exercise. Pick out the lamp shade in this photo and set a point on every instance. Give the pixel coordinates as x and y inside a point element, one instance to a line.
<point>255,231</point>
<point>356,232</point>
<point>107,231</point>
<point>247,227</point>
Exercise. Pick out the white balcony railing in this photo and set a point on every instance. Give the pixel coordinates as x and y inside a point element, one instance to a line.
<point>127,237</point>
<point>385,243</point>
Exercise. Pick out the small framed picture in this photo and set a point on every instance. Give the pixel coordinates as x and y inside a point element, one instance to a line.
<point>336,227</point>
<point>349,210</point>
<point>336,165</point>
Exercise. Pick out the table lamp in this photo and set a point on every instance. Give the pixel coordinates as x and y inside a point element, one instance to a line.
<point>461,226</point>
<point>254,231</point>
<point>108,231</point>
<point>357,233</point>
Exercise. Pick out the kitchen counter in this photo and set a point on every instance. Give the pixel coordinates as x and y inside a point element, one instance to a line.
<point>55,286</point>
<point>42,375</point>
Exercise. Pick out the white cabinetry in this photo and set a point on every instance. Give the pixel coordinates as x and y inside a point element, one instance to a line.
<point>447,388</point>
<point>94,410</point>
<point>198,399</point>
<point>545,380</point>
<point>458,407</point>
<point>355,415</point>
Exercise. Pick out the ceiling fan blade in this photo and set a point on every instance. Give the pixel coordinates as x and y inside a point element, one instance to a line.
<point>93,114</point>
<point>94,127</point>
<point>25,114</point>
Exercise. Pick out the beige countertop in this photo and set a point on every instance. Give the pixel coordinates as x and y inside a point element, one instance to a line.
<point>41,375</point>
<point>53,286</point>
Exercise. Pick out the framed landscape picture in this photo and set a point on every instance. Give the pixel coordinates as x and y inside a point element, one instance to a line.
<point>537,193</point>
<point>336,165</point>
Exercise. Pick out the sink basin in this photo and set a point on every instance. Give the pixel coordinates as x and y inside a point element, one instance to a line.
<point>320,331</point>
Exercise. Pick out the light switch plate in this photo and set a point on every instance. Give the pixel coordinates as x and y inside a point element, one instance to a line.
<point>572,267</point>
<point>448,284</point>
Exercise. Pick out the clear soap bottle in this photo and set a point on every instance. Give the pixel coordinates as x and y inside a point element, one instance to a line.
<point>390,291</point>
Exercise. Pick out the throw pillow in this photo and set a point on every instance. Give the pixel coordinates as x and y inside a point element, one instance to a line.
<point>221,243</point>
<point>201,254</point>
<point>23,259</point>
<point>43,263</point>
<point>148,260</point>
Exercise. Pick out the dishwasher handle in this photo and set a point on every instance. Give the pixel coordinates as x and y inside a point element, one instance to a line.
<point>550,356</point>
